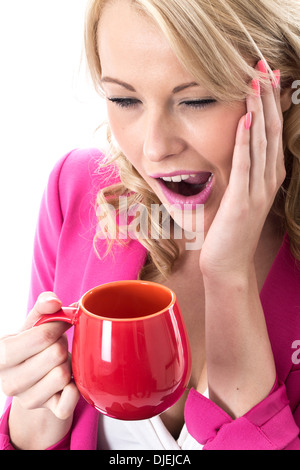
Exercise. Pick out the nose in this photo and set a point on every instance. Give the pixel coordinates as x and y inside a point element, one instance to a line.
<point>162,137</point>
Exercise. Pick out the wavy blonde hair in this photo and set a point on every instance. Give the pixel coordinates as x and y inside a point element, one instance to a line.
<point>207,36</point>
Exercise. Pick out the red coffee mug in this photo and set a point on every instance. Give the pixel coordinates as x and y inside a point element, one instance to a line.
<point>131,356</point>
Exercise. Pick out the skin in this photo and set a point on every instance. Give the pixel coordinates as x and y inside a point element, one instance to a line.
<point>161,134</point>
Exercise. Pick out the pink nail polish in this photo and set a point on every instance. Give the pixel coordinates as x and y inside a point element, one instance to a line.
<point>276,80</point>
<point>256,86</point>
<point>262,67</point>
<point>248,121</point>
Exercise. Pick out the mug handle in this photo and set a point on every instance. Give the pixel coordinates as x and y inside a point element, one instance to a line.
<point>65,314</point>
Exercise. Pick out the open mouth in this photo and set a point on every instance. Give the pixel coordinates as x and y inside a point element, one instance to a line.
<point>187,190</point>
<point>187,185</point>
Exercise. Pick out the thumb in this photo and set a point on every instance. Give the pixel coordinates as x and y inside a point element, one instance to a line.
<point>47,303</point>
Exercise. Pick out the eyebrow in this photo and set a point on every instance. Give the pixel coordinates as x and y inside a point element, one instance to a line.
<point>118,82</point>
<point>184,86</point>
<point>131,88</point>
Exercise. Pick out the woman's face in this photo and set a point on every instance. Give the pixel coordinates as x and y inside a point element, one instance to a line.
<point>167,125</point>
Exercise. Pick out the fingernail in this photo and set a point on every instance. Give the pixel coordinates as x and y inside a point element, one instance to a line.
<point>262,66</point>
<point>256,86</point>
<point>276,79</point>
<point>248,121</point>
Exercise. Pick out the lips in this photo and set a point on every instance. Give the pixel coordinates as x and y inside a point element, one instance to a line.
<point>186,189</point>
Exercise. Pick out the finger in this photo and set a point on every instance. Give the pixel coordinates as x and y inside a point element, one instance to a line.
<point>18,348</point>
<point>46,303</point>
<point>271,102</point>
<point>278,128</point>
<point>54,382</point>
<point>63,404</point>
<point>273,125</point>
<point>270,90</point>
<point>239,176</point>
<point>276,83</point>
<point>18,379</point>
<point>258,145</point>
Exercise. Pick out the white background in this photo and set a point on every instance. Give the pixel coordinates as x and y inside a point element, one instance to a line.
<point>47,107</point>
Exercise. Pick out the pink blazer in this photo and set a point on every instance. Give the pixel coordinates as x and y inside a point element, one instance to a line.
<point>64,261</point>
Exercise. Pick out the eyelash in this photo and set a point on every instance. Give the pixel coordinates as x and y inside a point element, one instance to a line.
<point>199,104</point>
<point>124,102</point>
<point>132,102</point>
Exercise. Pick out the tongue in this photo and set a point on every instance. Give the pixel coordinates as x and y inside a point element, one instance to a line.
<point>199,178</point>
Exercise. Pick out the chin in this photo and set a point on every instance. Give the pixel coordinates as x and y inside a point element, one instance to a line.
<point>188,226</point>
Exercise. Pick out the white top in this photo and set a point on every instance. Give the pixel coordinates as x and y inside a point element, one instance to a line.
<point>148,434</point>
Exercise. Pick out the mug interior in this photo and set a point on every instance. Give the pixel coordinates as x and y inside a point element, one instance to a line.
<point>128,300</point>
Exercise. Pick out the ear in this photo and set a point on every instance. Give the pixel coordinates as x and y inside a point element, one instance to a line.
<point>286,98</point>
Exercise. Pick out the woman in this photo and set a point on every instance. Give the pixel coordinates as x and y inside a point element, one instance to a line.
<point>200,106</point>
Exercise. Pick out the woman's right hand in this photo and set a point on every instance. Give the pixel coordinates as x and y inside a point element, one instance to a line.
<point>35,365</point>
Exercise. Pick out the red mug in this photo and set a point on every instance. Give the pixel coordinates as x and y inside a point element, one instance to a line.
<point>131,356</point>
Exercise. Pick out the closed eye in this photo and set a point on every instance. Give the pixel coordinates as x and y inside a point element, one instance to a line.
<point>132,102</point>
<point>124,102</point>
<point>198,104</point>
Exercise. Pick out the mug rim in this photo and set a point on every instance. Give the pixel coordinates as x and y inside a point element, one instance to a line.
<point>131,281</point>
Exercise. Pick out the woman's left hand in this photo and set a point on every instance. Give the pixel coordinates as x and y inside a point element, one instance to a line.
<point>258,171</point>
<point>240,362</point>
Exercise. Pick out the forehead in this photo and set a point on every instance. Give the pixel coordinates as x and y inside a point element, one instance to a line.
<point>128,39</point>
<point>121,22</point>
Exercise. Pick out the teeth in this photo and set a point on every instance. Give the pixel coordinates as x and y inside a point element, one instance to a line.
<point>176,179</point>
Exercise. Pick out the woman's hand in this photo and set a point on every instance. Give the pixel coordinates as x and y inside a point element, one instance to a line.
<point>35,368</point>
<point>240,363</point>
<point>257,173</point>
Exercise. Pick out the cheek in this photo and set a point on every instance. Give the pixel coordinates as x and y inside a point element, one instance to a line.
<point>123,134</point>
<point>218,138</point>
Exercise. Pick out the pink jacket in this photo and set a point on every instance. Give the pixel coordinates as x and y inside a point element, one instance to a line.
<point>65,262</point>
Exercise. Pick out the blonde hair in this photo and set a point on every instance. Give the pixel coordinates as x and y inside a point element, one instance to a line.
<point>217,41</point>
